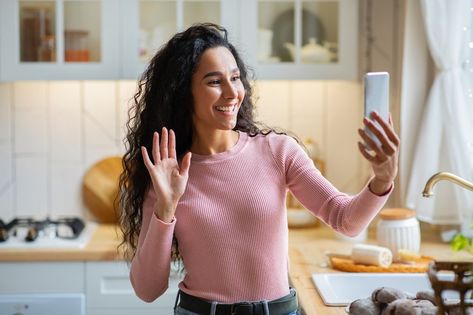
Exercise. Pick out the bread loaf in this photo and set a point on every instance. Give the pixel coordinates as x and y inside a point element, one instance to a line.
<point>371,255</point>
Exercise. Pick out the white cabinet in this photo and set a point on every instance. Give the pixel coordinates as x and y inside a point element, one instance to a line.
<point>109,292</point>
<point>105,286</point>
<point>42,277</point>
<point>301,39</point>
<point>115,39</point>
<point>59,39</point>
<point>150,23</point>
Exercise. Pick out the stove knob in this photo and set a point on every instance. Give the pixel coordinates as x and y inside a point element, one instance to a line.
<point>31,235</point>
<point>3,235</point>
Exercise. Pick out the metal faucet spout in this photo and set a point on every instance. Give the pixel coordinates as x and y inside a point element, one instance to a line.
<point>445,176</point>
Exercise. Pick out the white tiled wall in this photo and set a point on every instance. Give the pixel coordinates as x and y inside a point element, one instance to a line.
<point>52,132</point>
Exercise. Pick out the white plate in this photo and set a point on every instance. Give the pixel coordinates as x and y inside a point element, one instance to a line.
<point>340,289</point>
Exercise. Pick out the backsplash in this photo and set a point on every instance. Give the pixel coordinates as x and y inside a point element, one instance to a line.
<point>51,132</point>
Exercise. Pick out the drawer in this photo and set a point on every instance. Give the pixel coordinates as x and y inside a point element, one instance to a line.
<point>108,286</point>
<point>42,277</point>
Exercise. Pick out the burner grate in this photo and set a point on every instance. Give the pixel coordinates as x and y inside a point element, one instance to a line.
<point>29,229</point>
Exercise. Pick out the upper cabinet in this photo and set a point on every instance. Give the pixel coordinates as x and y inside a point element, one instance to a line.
<point>150,23</point>
<point>115,39</point>
<point>59,39</point>
<point>301,39</point>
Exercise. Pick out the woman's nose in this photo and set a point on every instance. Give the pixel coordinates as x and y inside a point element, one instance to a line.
<point>230,91</point>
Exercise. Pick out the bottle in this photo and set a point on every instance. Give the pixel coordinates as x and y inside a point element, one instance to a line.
<point>397,229</point>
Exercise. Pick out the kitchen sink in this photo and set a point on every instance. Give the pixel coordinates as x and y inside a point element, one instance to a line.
<point>340,289</point>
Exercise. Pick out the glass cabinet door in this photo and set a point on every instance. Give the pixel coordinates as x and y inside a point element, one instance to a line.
<point>301,39</point>
<point>297,31</point>
<point>82,31</point>
<point>201,11</point>
<point>320,28</point>
<point>276,31</point>
<point>153,22</point>
<point>37,24</point>
<point>59,39</point>
<point>40,38</point>
<point>157,23</point>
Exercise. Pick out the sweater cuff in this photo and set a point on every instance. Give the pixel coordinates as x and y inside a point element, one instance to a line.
<point>173,221</point>
<point>386,193</point>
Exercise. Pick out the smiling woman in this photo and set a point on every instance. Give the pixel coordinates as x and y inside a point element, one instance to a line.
<point>205,184</point>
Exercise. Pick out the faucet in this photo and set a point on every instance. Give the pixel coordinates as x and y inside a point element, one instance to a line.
<point>445,176</point>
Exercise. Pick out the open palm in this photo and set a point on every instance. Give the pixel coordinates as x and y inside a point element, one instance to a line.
<point>168,178</point>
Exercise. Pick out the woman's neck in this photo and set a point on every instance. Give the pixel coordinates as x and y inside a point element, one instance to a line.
<point>213,142</point>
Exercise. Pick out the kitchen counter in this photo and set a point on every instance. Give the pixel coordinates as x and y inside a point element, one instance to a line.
<point>102,246</point>
<point>306,250</point>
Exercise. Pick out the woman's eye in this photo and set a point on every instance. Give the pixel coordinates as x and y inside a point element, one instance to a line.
<point>214,82</point>
<point>236,78</point>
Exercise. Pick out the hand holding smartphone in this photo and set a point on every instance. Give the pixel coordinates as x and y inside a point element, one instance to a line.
<point>376,98</point>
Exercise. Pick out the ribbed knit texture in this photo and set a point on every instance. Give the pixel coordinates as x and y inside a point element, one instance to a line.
<point>231,222</point>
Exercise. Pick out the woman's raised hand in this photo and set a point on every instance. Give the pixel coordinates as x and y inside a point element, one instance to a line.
<point>384,158</point>
<point>168,178</point>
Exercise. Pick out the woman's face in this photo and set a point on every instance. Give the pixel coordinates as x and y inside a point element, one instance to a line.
<point>217,90</point>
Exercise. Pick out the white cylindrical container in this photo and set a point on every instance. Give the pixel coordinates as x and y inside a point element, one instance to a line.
<point>398,229</point>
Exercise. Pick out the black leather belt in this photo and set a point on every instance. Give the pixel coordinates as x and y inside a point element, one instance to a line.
<point>281,306</point>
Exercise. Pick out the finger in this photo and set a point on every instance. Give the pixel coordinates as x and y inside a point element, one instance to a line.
<point>365,153</point>
<point>371,143</point>
<point>186,163</point>
<point>146,159</point>
<point>387,127</point>
<point>155,150</point>
<point>164,143</point>
<point>380,135</point>
<point>172,144</point>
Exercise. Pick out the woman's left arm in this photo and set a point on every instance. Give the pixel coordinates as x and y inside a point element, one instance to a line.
<point>383,158</point>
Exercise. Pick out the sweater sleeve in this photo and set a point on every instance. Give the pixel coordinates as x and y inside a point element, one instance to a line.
<point>150,267</point>
<point>346,214</point>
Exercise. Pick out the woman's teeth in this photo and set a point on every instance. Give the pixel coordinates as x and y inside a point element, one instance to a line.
<point>226,108</point>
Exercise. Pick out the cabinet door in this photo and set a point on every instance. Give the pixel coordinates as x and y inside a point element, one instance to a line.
<point>151,23</point>
<point>59,39</point>
<point>41,277</point>
<point>301,39</point>
<point>108,287</point>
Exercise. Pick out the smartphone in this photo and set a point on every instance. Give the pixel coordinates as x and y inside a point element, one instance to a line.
<point>376,87</point>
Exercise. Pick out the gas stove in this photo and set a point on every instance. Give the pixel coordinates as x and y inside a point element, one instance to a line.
<point>26,232</point>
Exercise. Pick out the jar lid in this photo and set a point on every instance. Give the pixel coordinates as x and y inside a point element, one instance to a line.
<point>396,214</point>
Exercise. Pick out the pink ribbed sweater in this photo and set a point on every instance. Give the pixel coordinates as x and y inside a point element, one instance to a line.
<point>231,222</point>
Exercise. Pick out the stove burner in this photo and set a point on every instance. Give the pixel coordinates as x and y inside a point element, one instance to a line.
<point>29,229</point>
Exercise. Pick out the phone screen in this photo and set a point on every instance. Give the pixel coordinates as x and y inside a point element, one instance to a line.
<point>376,86</point>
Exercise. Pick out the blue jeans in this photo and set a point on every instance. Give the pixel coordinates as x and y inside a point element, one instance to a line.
<point>180,311</point>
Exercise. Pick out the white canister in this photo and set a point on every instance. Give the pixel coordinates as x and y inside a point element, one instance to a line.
<point>398,229</point>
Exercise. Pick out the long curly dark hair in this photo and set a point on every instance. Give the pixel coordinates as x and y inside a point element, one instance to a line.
<point>164,99</point>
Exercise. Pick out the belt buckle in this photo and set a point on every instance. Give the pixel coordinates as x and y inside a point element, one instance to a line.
<point>235,306</point>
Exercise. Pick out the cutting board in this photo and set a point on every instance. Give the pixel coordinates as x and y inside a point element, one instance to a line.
<point>100,189</point>
<point>348,265</point>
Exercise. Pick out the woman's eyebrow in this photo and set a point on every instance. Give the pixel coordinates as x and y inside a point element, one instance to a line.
<point>212,74</point>
<point>218,73</point>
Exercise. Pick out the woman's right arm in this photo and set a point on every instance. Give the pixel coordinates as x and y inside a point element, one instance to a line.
<point>150,266</point>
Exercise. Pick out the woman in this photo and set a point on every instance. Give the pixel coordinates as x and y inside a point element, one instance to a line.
<point>215,182</point>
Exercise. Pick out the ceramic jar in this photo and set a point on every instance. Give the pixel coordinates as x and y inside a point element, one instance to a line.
<point>398,229</point>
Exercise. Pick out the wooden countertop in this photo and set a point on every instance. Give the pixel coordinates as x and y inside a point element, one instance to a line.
<point>306,250</point>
